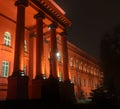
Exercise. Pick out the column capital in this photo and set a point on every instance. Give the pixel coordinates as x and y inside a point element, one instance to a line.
<point>39,15</point>
<point>64,33</point>
<point>21,2</point>
<point>53,25</point>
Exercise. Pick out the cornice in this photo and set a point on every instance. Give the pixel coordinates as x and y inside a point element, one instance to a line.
<point>52,12</point>
<point>82,53</point>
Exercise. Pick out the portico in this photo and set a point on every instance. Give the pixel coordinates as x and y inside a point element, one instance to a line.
<point>51,20</point>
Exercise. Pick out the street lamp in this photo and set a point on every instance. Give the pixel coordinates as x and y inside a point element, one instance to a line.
<point>58,54</point>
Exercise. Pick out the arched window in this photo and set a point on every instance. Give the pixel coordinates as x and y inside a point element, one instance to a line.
<point>7,39</point>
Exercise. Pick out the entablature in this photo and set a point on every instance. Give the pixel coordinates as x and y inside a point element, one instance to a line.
<point>51,12</point>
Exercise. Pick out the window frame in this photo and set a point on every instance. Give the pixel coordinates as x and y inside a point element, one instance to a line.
<point>25,46</point>
<point>7,39</point>
<point>5,68</point>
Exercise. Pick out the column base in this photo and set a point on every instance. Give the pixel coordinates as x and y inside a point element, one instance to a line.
<point>67,92</point>
<point>37,84</point>
<point>17,86</point>
<point>50,90</point>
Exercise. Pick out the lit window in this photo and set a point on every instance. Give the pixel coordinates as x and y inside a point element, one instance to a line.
<point>84,68</point>
<point>71,62</point>
<point>88,69</point>
<point>7,39</point>
<point>95,71</point>
<point>82,82</point>
<point>74,63</point>
<point>25,45</point>
<point>5,68</point>
<point>91,71</point>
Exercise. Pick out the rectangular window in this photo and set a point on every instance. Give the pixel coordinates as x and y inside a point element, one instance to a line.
<point>83,82</point>
<point>71,62</point>
<point>7,39</point>
<point>25,46</point>
<point>5,68</point>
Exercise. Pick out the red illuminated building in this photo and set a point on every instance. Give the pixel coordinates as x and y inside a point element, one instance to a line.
<point>33,32</point>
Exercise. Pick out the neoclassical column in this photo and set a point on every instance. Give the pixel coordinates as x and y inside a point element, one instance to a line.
<point>53,49</point>
<point>18,82</point>
<point>19,40</point>
<point>39,45</point>
<point>67,88</point>
<point>65,55</point>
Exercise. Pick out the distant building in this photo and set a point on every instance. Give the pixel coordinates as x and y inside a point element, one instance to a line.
<point>31,33</point>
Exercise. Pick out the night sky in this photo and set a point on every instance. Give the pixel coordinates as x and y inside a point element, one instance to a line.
<point>91,19</point>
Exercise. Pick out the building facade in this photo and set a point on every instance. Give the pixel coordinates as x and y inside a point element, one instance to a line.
<point>32,33</point>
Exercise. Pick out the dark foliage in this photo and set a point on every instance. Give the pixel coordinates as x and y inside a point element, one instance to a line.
<point>110,59</point>
<point>108,94</point>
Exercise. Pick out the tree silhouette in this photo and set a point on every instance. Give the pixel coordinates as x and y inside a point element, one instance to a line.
<point>109,92</point>
<point>110,59</point>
